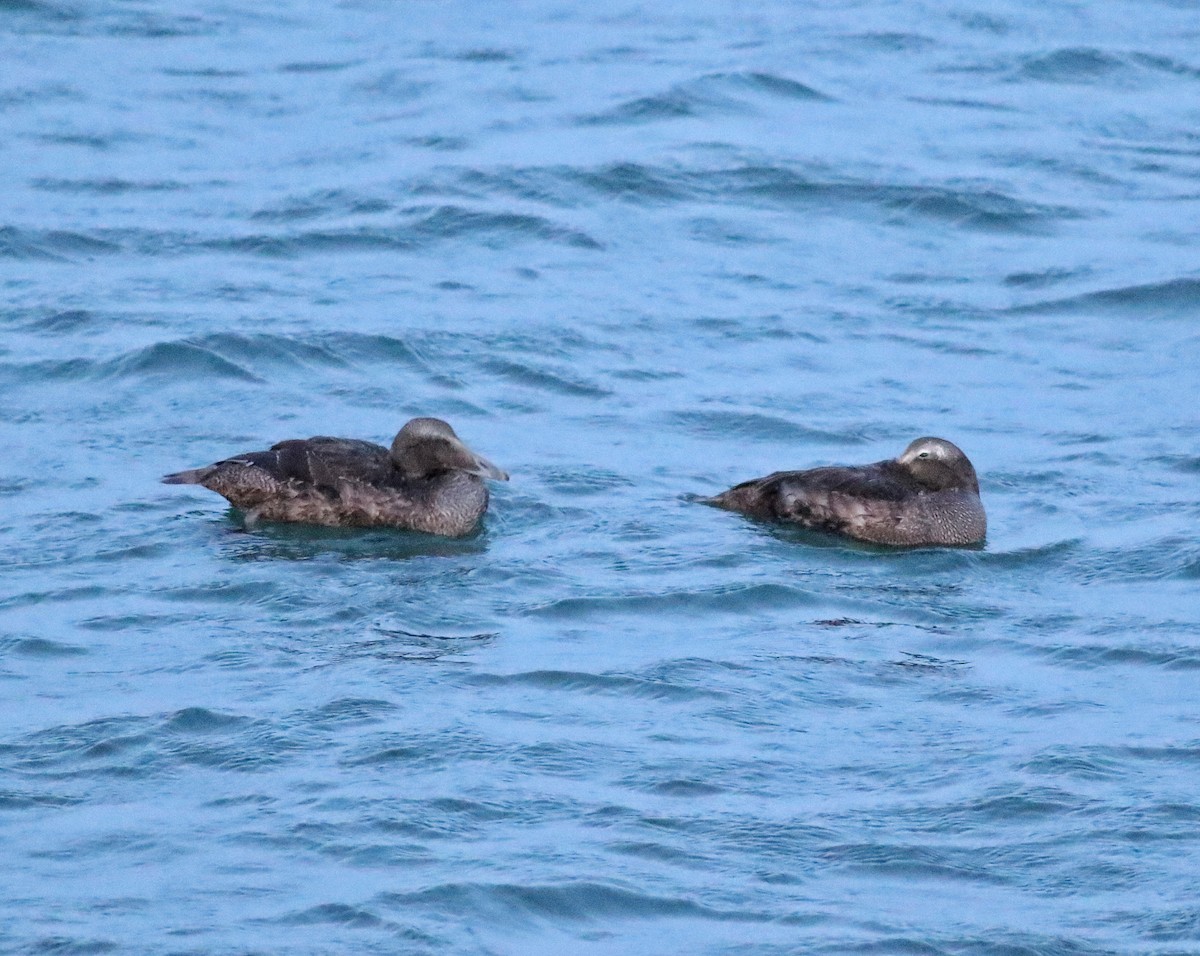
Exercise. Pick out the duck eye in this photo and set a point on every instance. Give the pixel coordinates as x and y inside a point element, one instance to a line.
<point>923,454</point>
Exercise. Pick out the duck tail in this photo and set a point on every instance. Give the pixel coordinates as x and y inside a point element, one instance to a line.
<point>748,498</point>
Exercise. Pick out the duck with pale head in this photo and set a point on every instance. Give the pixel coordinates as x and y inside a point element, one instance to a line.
<point>929,495</point>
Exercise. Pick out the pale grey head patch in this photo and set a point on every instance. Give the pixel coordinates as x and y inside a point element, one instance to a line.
<point>427,446</point>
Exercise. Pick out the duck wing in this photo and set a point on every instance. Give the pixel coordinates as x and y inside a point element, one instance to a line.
<point>324,462</point>
<point>881,481</point>
<point>319,462</point>
<point>818,496</point>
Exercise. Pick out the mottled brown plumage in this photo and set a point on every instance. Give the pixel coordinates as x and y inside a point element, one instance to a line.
<point>428,481</point>
<point>927,496</point>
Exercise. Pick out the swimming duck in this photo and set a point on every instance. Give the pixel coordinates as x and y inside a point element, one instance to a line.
<point>427,481</point>
<point>927,496</point>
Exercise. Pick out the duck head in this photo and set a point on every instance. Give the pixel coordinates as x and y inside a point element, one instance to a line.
<point>939,465</point>
<point>427,446</point>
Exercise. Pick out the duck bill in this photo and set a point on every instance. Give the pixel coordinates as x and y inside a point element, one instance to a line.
<point>474,464</point>
<point>485,469</point>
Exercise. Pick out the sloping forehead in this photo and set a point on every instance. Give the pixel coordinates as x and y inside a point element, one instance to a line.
<point>937,447</point>
<point>427,428</point>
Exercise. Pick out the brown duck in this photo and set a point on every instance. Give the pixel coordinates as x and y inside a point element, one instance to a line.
<point>427,481</point>
<point>927,496</point>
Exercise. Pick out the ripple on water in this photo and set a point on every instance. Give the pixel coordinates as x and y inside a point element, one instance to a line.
<point>1073,65</point>
<point>1187,463</point>
<point>282,541</point>
<point>344,915</point>
<point>708,95</point>
<point>585,482</point>
<point>177,360</point>
<point>40,647</point>
<point>399,644</point>
<point>1171,557</point>
<point>83,593</point>
<point>289,351</point>
<point>542,379</point>
<point>915,861</point>
<point>426,748</point>
<point>422,227</point>
<point>1048,556</point>
<point>1074,763</point>
<point>111,746</point>
<point>730,600</point>
<point>54,244</point>
<point>893,41</point>
<point>1173,298</point>
<point>201,720</point>
<point>47,370</point>
<point>65,321</point>
<point>720,423</point>
<point>325,202</point>
<point>635,182</point>
<point>661,853</point>
<point>563,903</point>
<point>107,186</point>
<point>1002,806</point>
<point>1091,65</point>
<point>580,682</point>
<point>352,711</point>
<point>980,207</point>
<point>1091,655</point>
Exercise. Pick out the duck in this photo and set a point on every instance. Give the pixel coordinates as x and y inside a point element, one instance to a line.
<point>927,496</point>
<point>428,481</point>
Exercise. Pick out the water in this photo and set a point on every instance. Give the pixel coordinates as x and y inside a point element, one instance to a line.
<point>633,254</point>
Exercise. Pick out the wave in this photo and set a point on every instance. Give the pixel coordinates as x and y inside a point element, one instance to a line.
<point>341,914</point>
<point>707,95</point>
<point>982,207</point>
<point>971,206</point>
<point>400,644</point>
<point>617,684</point>
<point>543,379</point>
<point>957,864</point>
<point>753,597</point>
<point>895,41</point>
<point>1094,655</point>
<point>176,359</point>
<point>1171,298</point>
<point>1072,65</point>
<point>63,322</point>
<point>38,647</point>
<point>54,244</point>
<point>425,226</point>
<point>235,356</point>
<point>570,902</point>
<point>447,222</point>
<point>1089,65</point>
<point>107,186</point>
<point>415,228</point>
<point>1184,462</point>
<point>326,202</point>
<point>201,720</point>
<point>1078,65</point>
<point>758,426</point>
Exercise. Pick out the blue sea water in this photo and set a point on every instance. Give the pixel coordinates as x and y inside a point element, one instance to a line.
<point>634,253</point>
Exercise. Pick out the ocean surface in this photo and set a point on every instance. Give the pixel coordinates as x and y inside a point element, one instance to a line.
<point>634,253</point>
